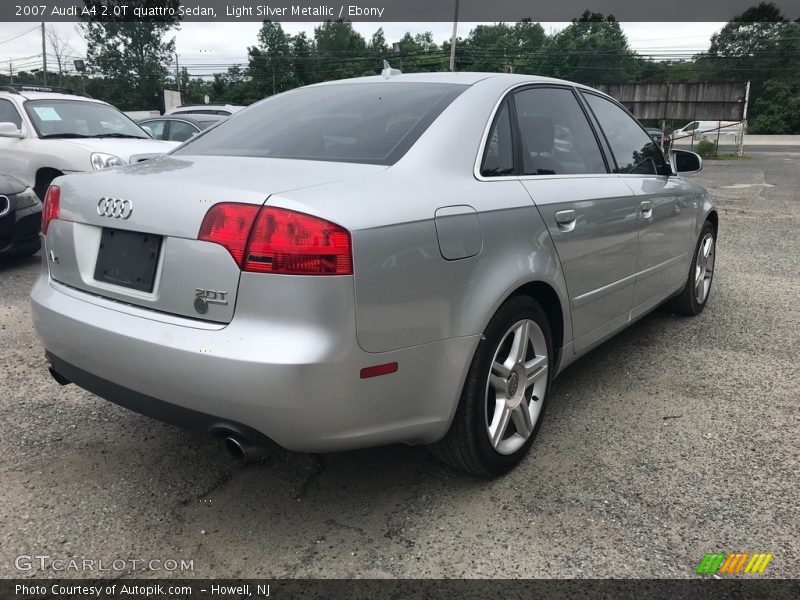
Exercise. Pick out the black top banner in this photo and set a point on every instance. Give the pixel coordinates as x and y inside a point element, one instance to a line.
<point>380,10</point>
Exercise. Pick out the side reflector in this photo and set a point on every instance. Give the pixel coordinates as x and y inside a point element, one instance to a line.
<point>378,370</point>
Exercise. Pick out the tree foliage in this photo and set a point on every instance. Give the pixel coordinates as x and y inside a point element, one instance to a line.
<point>132,54</point>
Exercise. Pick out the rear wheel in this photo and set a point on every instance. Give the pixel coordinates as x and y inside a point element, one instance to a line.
<point>694,295</point>
<point>503,400</point>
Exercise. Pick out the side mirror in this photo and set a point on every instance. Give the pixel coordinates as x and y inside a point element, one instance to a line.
<point>9,130</point>
<point>684,161</point>
<point>148,130</point>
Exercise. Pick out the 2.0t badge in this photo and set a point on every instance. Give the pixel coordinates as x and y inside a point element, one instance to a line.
<point>202,298</point>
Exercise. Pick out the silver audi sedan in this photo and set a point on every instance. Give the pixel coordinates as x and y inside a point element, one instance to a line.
<point>400,258</point>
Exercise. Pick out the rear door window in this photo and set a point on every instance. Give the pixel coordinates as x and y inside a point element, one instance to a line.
<point>180,131</point>
<point>158,128</point>
<point>555,135</point>
<point>633,150</point>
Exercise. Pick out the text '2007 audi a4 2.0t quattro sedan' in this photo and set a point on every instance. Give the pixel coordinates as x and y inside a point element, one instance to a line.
<point>400,258</point>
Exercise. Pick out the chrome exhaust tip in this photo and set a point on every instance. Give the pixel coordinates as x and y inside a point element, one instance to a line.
<point>241,450</point>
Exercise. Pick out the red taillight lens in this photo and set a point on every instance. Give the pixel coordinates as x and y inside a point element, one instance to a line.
<point>229,225</point>
<point>51,209</point>
<point>276,240</point>
<point>291,243</point>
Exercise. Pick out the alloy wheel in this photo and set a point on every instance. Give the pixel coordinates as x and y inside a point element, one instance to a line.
<point>516,386</point>
<point>704,268</point>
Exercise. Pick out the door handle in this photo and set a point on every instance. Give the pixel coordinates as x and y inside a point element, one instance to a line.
<point>566,220</point>
<point>647,209</point>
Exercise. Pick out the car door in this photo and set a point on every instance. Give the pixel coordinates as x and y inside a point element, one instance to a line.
<point>589,212</point>
<point>159,128</point>
<point>180,131</point>
<point>663,200</point>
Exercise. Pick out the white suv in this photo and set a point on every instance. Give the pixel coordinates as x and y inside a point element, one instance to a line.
<point>46,132</point>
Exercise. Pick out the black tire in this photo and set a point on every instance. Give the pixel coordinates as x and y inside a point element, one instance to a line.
<point>686,302</point>
<point>467,446</point>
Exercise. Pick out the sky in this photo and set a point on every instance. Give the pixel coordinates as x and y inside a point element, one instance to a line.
<point>202,44</point>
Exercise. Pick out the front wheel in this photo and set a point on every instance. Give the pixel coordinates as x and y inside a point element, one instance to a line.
<point>693,297</point>
<point>503,399</point>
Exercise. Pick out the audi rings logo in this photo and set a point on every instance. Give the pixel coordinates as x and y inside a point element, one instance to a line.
<point>115,208</point>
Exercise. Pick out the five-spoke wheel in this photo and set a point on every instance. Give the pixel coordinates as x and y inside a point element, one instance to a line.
<point>504,397</point>
<point>516,383</point>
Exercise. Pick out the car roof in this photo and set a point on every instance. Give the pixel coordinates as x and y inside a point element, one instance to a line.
<point>31,95</point>
<point>189,107</point>
<point>190,117</point>
<point>460,77</point>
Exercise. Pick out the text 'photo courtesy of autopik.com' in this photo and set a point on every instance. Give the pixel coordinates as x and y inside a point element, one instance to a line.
<point>399,299</point>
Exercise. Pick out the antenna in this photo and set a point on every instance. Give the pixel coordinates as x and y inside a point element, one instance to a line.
<point>388,71</point>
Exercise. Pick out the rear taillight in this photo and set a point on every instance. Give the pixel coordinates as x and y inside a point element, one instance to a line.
<point>228,225</point>
<point>51,209</point>
<point>276,240</point>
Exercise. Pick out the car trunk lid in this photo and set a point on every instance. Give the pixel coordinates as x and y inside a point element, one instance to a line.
<point>130,234</point>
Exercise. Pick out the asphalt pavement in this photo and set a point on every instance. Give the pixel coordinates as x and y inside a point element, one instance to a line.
<point>680,436</point>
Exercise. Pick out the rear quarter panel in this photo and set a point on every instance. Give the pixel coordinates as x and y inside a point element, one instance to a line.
<point>406,293</point>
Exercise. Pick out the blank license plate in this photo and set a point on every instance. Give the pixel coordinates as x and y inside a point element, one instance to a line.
<point>128,259</point>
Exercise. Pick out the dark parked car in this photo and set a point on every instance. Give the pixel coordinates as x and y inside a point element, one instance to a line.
<point>20,217</point>
<point>179,128</point>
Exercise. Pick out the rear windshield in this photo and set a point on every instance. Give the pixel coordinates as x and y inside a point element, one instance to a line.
<point>373,123</point>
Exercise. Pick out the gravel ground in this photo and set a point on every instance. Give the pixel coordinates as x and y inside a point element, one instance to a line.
<point>678,437</point>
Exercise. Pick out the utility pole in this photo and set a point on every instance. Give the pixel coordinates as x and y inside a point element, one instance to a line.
<point>453,40</point>
<point>11,71</point>
<point>44,57</point>
<point>743,125</point>
<point>177,73</point>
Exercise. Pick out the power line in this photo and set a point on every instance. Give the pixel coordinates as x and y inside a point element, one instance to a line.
<point>19,35</point>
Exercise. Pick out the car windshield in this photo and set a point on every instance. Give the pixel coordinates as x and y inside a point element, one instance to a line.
<point>374,123</point>
<point>79,119</point>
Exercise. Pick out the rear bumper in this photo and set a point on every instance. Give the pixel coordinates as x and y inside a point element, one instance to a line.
<point>153,407</point>
<point>285,369</point>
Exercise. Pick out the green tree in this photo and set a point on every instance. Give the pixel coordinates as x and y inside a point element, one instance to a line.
<point>777,109</point>
<point>419,53</point>
<point>378,50</point>
<point>271,67</point>
<point>763,47</point>
<point>502,47</point>
<point>749,46</point>
<point>592,49</point>
<point>132,54</point>
<point>303,59</point>
<point>340,51</point>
